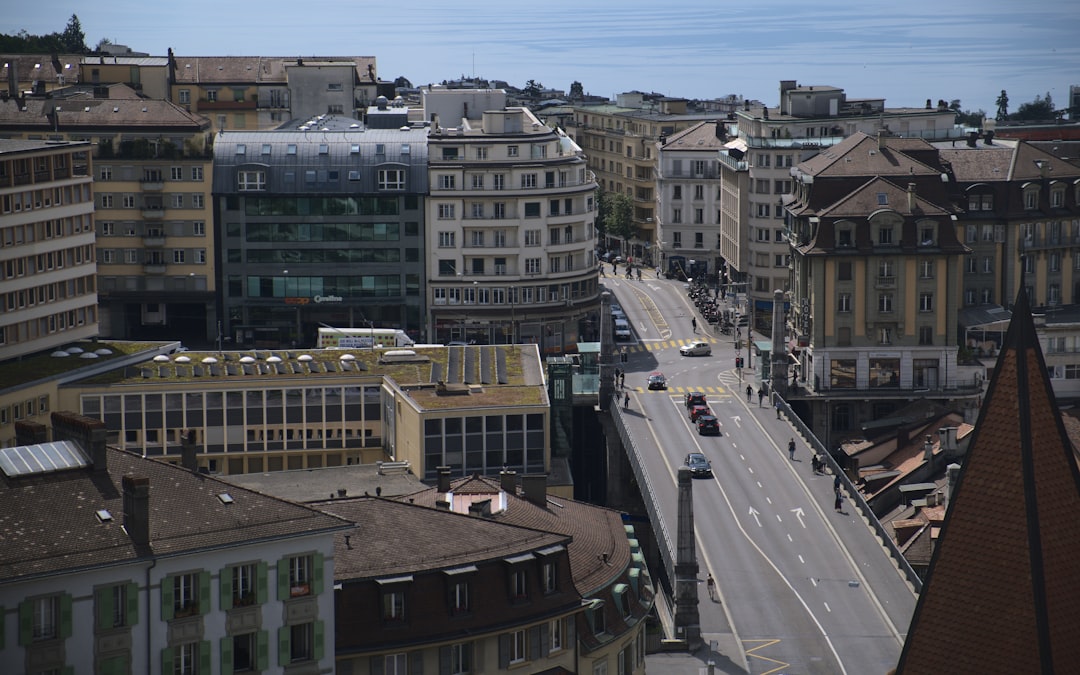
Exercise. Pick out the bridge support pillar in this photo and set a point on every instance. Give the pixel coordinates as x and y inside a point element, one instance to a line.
<point>687,618</point>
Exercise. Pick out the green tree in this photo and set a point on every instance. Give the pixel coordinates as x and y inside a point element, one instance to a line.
<point>619,216</point>
<point>577,92</point>
<point>73,39</point>
<point>967,118</point>
<point>1002,106</point>
<point>1039,109</point>
<point>532,88</point>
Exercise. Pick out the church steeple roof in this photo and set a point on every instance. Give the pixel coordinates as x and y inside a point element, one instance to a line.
<point>1003,588</point>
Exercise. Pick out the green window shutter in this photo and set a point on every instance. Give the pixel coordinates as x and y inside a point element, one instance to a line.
<point>65,616</point>
<point>26,622</point>
<point>320,639</point>
<point>132,596</point>
<point>283,579</point>
<point>204,656</point>
<point>115,665</point>
<point>317,574</point>
<point>204,592</point>
<point>226,656</point>
<point>167,660</point>
<point>103,601</point>
<point>261,586</point>
<point>262,650</point>
<point>167,600</point>
<point>225,588</point>
<point>284,646</point>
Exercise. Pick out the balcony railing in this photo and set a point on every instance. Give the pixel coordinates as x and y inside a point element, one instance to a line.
<point>153,213</point>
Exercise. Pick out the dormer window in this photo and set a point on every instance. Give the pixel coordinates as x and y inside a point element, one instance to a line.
<point>1031,197</point>
<point>1057,197</point>
<point>844,238</point>
<point>885,236</point>
<point>882,199</point>
<point>926,235</point>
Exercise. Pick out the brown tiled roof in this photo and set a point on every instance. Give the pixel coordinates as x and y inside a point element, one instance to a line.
<point>861,155</point>
<point>86,111</point>
<point>254,69</point>
<point>979,164</point>
<point>865,200</point>
<point>596,531</point>
<point>395,537</point>
<point>48,522</point>
<point>701,136</point>
<point>1003,591</point>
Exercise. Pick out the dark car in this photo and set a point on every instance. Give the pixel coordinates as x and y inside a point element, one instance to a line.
<point>657,381</point>
<point>694,398</point>
<point>707,425</point>
<point>699,410</point>
<point>699,464</point>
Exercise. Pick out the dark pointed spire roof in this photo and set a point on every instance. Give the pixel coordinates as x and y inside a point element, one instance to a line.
<point>1003,590</point>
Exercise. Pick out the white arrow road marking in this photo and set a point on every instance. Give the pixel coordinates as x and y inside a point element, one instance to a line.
<point>799,514</point>
<point>754,513</point>
<point>737,421</point>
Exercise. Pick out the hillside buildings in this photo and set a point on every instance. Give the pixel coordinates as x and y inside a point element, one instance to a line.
<point>48,272</point>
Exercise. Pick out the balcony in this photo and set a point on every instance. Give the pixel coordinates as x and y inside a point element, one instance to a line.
<point>885,282</point>
<point>157,268</point>
<point>153,213</point>
<point>152,183</point>
<point>205,105</point>
<point>154,239</point>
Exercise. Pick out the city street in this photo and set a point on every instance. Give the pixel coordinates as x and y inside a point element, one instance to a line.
<point>802,588</point>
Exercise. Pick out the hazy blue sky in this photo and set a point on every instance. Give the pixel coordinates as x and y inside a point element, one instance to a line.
<point>905,52</point>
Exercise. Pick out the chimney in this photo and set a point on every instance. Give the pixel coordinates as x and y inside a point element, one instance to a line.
<point>88,432</point>
<point>928,104</point>
<point>720,133</point>
<point>928,450</point>
<point>972,139</point>
<point>28,432</point>
<point>988,137</point>
<point>535,488</point>
<point>137,508</point>
<point>911,197</point>
<point>444,479</point>
<point>188,457</point>
<point>881,139</point>
<point>953,473</point>
<point>508,481</point>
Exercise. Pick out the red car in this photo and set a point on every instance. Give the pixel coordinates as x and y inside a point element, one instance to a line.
<point>699,410</point>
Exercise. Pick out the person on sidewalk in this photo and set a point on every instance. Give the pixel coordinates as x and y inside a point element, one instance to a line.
<point>760,396</point>
<point>749,392</point>
<point>791,449</point>
<point>711,584</point>
<point>626,401</point>
<point>838,502</point>
<point>777,407</point>
<point>693,323</point>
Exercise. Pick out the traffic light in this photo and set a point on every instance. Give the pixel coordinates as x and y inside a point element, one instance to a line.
<point>738,362</point>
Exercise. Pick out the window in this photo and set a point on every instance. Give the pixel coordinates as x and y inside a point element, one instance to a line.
<point>926,335</point>
<point>1031,198</point>
<point>248,652</point>
<point>183,595</point>
<point>251,180</point>
<point>1057,198</point>
<point>843,271</point>
<point>763,210</point>
<point>519,588</point>
<point>107,228</point>
<point>699,192</point>
<point>446,211</point>
<point>676,215</point>
<point>532,209</point>
<point>885,302</point>
<point>843,238</point>
<point>532,265</point>
<point>477,209</point>
<point>532,238</point>
<point>391,179</point>
<point>843,302</point>
<point>447,182</point>
<point>926,269</point>
<point>177,201</point>
<point>518,644</point>
<point>45,615</point>
<point>460,659</point>
<point>511,151</point>
<point>185,657</point>
<point>499,209</point>
<point>105,173</point>
<point>926,235</point>
<point>393,605</point>
<point>302,642</point>
<point>676,192</point>
<point>129,201</point>
<point>762,234</point>
<point>699,216</point>
<point>459,598</point>
<point>528,180</point>
<point>395,664</point>
<point>179,256</point>
<point>971,234</point>
<point>196,173</point>
<point>555,631</point>
<point>926,302</point>
<point>499,181</point>
<point>243,584</point>
<point>676,239</point>
<point>198,228</point>
<point>197,200</point>
<point>1054,261</point>
<point>885,236</point>
<point>550,580</point>
<point>481,153</point>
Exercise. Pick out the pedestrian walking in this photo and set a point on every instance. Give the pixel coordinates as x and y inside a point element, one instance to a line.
<point>749,392</point>
<point>626,400</point>
<point>791,449</point>
<point>777,407</point>
<point>657,272</point>
<point>838,502</point>
<point>760,396</point>
<point>711,584</point>
<point>638,273</point>
<point>693,323</point>
<point>836,483</point>
<point>622,380</point>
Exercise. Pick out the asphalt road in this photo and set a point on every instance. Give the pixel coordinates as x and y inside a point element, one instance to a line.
<point>803,588</point>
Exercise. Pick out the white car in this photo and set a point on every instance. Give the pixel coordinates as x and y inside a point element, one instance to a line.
<point>699,348</point>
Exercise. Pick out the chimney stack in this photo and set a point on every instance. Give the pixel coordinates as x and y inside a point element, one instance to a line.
<point>137,508</point>
<point>988,137</point>
<point>444,479</point>
<point>911,197</point>
<point>535,488</point>
<point>508,481</point>
<point>972,139</point>
<point>28,432</point>
<point>188,457</point>
<point>953,473</point>
<point>89,433</point>
<point>928,449</point>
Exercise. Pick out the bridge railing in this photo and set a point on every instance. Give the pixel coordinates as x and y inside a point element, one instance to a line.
<point>856,497</point>
<point>663,539</point>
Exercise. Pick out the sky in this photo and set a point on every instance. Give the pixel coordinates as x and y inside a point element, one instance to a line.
<point>904,52</point>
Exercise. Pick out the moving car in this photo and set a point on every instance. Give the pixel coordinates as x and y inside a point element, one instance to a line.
<point>699,348</point>
<point>657,380</point>
<point>694,398</point>
<point>699,464</point>
<point>699,410</point>
<point>707,425</point>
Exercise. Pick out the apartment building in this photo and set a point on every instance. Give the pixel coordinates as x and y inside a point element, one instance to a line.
<point>775,139</point>
<point>321,223</point>
<point>48,271</point>
<point>151,177</point>
<point>877,266</point>
<point>510,226</point>
<point>104,578</point>
<point>689,201</point>
<point>619,142</point>
<point>263,92</point>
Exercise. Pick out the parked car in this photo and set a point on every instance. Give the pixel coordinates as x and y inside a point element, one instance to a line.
<point>699,348</point>
<point>699,464</point>
<point>699,410</point>
<point>622,330</point>
<point>694,398</point>
<point>617,313</point>
<point>707,425</point>
<point>657,380</point>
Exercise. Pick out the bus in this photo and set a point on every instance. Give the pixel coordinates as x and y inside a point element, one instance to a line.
<point>362,338</point>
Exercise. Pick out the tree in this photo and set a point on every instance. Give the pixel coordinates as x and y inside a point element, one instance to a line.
<point>402,82</point>
<point>73,39</point>
<point>532,88</point>
<point>967,118</point>
<point>577,92</point>
<point>1039,109</point>
<point>619,216</point>
<point>1003,106</point>
<point>102,44</point>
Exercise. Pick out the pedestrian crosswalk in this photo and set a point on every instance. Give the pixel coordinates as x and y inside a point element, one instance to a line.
<point>660,345</point>
<point>681,390</point>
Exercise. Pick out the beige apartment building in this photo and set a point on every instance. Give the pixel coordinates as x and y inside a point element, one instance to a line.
<point>510,226</point>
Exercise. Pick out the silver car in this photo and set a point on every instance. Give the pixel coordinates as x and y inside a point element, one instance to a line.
<point>699,348</point>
